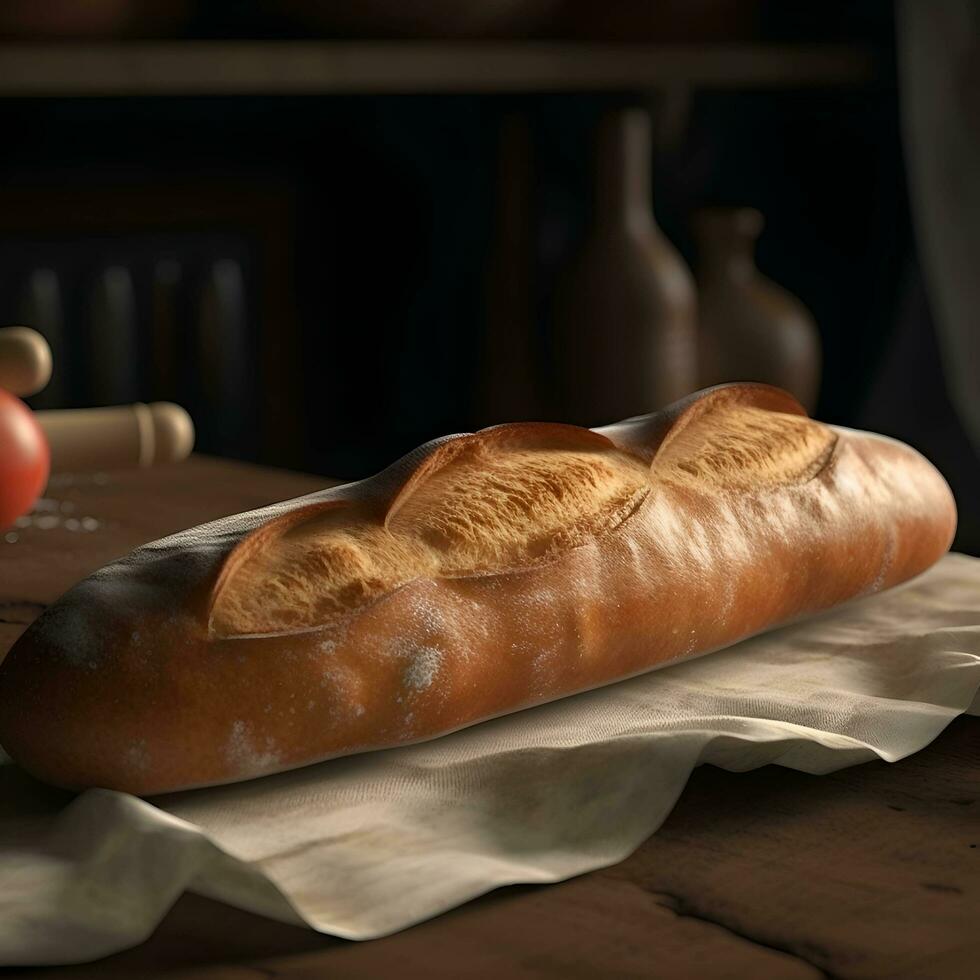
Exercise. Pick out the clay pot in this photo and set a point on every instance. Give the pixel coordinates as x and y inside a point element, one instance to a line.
<point>750,329</point>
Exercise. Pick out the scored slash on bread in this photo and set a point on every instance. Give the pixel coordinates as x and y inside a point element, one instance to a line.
<point>502,499</point>
<point>506,498</point>
<point>479,575</point>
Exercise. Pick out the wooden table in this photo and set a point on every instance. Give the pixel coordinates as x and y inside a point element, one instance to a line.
<point>870,872</point>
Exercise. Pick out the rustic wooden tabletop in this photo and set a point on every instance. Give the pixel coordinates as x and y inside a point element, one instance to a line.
<point>869,872</point>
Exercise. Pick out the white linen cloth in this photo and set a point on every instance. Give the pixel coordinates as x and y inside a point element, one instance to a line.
<point>365,846</point>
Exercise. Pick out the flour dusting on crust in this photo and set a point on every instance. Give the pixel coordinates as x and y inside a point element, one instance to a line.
<point>423,667</point>
<point>244,752</point>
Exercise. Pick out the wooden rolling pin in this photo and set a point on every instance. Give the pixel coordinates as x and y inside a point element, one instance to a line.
<point>25,361</point>
<point>85,439</point>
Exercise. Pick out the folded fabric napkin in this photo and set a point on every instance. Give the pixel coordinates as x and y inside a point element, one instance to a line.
<point>365,846</point>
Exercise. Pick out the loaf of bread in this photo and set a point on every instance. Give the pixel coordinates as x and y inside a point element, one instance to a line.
<point>479,575</point>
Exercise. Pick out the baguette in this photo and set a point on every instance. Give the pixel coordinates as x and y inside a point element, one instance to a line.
<point>479,575</point>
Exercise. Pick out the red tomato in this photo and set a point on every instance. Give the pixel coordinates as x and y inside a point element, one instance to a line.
<point>24,459</point>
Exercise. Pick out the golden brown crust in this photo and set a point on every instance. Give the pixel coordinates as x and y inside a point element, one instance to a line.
<point>477,576</point>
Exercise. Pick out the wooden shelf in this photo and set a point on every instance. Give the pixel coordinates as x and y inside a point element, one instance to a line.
<point>324,67</point>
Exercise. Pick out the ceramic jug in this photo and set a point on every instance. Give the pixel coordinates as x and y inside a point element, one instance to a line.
<point>750,329</point>
<point>624,334</point>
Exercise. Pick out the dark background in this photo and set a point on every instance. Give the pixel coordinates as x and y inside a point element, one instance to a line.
<point>362,226</point>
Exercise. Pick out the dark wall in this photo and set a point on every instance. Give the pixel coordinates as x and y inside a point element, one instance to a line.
<point>381,211</point>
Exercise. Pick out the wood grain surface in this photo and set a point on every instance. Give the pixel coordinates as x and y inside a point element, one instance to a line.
<point>869,872</point>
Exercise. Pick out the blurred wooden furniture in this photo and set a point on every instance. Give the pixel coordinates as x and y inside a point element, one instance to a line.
<point>178,290</point>
<point>136,268</point>
<point>868,872</point>
<point>329,67</point>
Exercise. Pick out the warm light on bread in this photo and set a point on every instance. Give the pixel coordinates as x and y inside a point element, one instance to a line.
<point>489,508</point>
<point>495,504</point>
<point>743,446</point>
<point>479,575</point>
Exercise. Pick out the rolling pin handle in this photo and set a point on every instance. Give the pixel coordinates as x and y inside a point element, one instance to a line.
<point>87,439</point>
<point>25,361</point>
